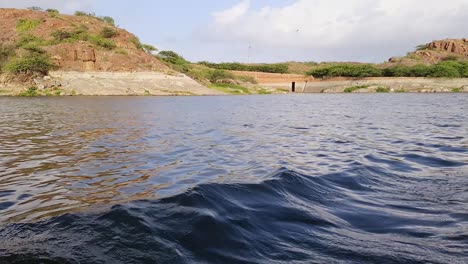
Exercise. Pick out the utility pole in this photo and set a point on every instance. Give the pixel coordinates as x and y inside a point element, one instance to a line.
<point>248,53</point>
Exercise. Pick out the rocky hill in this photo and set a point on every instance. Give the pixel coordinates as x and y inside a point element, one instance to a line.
<point>435,52</point>
<point>74,43</point>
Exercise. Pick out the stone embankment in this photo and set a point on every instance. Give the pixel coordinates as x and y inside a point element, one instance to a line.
<point>369,85</point>
<point>113,83</point>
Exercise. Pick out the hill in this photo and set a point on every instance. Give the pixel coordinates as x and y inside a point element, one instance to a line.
<point>435,52</point>
<point>82,54</point>
<point>74,43</point>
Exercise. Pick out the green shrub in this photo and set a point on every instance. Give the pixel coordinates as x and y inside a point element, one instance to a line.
<point>24,25</point>
<point>264,91</point>
<point>464,69</point>
<point>407,71</point>
<point>61,35</point>
<point>32,91</point>
<point>108,20</point>
<point>235,66</point>
<point>355,88</point>
<point>34,63</point>
<point>346,70</point>
<point>457,90</point>
<point>34,48</point>
<point>31,43</point>
<point>218,75</point>
<point>448,69</point>
<point>81,13</point>
<point>230,88</point>
<point>248,79</point>
<point>6,52</point>
<point>450,58</point>
<point>102,42</point>
<point>35,8</point>
<point>108,32</point>
<point>137,43</point>
<point>121,51</point>
<point>149,48</point>
<point>171,57</point>
<point>422,47</point>
<point>53,11</point>
<point>79,33</point>
<point>382,90</point>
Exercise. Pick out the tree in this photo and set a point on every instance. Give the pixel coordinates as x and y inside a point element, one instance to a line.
<point>35,8</point>
<point>149,48</point>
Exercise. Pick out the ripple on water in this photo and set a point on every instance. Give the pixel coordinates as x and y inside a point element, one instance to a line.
<point>269,179</point>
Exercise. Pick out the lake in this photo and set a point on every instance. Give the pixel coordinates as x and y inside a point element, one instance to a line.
<point>306,178</point>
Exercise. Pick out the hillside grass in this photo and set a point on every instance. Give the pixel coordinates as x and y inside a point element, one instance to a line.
<point>24,25</point>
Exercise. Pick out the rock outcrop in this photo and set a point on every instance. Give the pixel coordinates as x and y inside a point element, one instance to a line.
<point>435,52</point>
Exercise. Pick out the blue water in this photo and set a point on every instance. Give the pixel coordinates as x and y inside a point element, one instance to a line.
<point>377,178</point>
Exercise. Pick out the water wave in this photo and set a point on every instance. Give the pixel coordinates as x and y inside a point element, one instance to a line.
<point>362,215</point>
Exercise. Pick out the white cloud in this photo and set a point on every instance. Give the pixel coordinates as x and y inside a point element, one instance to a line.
<point>338,26</point>
<point>67,6</point>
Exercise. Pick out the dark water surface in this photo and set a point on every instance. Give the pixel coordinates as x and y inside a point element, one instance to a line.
<point>258,179</point>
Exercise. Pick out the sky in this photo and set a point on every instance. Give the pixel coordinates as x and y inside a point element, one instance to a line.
<point>279,30</point>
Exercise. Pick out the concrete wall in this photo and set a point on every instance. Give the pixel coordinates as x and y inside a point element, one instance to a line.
<point>130,83</point>
<point>396,84</point>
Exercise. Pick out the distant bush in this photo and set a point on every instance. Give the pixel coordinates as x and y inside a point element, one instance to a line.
<point>50,10</point>
<point>355,88</point>
<point>450,58</point>
<point>407,71</point>
<point>422,47</point>
<point>77,34</point>
<point>53,12</point>
<point>108,32</point>
<point>60,35</point>
<point>35,8</point>
<point>346,70</point>
<point>444,69</point>
<point>171,57</point>
<point>382,90</point>
<point>248,79</point>
<point>29,41</point>
<point>6,52</point>
<point>30,92</point>
<point>108,20</point>
<point>136,41</point>
<point>149,48</point>
<point>218,75</point>
<point>102,42</point>
<point>235,66</point>
<point>82,13</point>
<point>24,25</point>
<point>449,69</point>
<point>32,64</point>
<point>230,88</point>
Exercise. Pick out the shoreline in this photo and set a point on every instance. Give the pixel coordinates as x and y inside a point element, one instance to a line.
<point>66,83</point>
